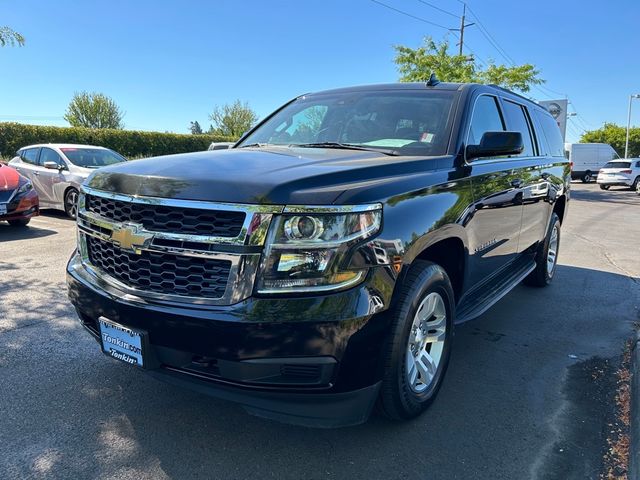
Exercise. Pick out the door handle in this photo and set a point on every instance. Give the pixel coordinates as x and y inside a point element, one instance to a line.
<point>517,183</point>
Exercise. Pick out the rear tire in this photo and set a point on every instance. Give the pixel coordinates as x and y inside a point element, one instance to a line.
<point>418,347</point>
<point>604,187</point>
<point>21,222</point>
<point>546,256</point>
<point>586,178</point>
<point>635,184</point>
<point>71,203</point>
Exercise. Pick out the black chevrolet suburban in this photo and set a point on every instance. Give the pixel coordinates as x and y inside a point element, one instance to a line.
<point>318,267</point>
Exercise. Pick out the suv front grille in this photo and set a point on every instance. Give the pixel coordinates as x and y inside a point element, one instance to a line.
<point>162,218</point>
<point>161,272</point>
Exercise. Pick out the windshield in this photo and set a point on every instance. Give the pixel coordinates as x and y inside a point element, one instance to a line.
<point>617,165</point>
<point>408,122</point>
<point>92,157</point>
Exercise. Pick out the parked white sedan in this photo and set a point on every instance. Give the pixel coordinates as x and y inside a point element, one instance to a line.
<point>624,172</point>
<point>57,170</point>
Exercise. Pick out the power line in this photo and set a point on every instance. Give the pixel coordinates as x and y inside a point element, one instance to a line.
<point>440,9</point>
<point>410,15</point>
<point>485,32</point>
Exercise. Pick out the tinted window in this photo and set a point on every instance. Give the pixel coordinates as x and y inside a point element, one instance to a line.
<point>551,133</point>
<point>30,155</point>
<point>617,165</point>
<point>92,157</point>
<point>517,121</point>
<point>637,164</point>
<point>486,118</point>
<point>302,127</point>
<point>412,122</point>
<point>48,155</point>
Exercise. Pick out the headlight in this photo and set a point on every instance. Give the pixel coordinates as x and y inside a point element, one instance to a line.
<point>308,250</point>
<point>25,187</point>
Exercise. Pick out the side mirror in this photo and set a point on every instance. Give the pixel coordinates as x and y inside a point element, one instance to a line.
<point>51,165</point>
<point>496,144</point>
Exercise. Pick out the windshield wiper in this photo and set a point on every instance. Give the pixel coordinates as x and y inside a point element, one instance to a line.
<point>255,145</point>
<point>345,146</point>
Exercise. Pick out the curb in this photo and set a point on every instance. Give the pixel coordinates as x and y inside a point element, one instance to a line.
<point>634,416</point>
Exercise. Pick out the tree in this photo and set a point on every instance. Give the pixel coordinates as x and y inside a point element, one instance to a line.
<point>416,65</point>
<point>232,120</point>
<point>94,110</point>
<point>195,128</point>
<point>615,135</point>
<point>10,37</point>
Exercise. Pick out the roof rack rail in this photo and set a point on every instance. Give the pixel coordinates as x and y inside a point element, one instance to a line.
<point>510,92</point>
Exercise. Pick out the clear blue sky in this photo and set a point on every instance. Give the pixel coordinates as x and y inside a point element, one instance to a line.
<point>169,62</point>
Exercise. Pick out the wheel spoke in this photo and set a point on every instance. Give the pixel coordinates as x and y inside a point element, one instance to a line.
<point>426,366</point>
<point>436,329</point>
<point>412,371</point>
<point>427,307</point>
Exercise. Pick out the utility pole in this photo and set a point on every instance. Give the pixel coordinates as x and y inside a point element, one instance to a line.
<point>626,143</point>
<point>462,27</point>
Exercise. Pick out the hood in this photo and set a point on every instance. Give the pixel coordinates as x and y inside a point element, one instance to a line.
<point>9,178</point>
<point>267,175</point>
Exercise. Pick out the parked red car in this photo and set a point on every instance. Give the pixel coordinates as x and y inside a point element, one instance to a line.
<point>18,200</point>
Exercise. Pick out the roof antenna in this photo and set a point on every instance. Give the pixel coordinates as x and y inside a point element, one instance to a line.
<point>433,80</point>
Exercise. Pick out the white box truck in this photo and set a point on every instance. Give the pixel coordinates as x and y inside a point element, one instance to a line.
<point>588,158</point>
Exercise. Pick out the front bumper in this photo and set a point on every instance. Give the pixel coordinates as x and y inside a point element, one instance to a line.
<point>22,207</point>
<point>304,360</point>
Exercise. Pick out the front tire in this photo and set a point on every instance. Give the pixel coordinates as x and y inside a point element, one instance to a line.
<point>21,222</point>
<point>71,203</point>
<point>604,187</point>
<point>418,347</point>
<point>546,256</point>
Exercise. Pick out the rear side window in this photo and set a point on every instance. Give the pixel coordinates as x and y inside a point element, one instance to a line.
<point>551,133</point>
<point>486,118</point>
<point>30,155</point>
<point>638,164</point>
<point>518,121</point>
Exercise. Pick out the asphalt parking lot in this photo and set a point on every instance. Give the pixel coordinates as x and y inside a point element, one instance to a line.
<point>529,392</point>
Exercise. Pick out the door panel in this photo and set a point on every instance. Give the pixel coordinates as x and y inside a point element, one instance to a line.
<point>495,226</point>
<point>497,191</point>
<point>535,189</point>
<point>535,204</point>
<point>49,178</point>
<point>28,163</point>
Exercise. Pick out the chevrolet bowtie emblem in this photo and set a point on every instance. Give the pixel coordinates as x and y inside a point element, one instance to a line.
<point>131,237</point>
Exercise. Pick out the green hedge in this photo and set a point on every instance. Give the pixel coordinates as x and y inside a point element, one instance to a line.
<point>129,143</point>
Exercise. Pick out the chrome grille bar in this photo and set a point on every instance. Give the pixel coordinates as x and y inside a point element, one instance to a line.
<point>243,251</point>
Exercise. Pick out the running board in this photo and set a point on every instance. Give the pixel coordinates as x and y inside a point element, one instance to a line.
<point>485,297</point>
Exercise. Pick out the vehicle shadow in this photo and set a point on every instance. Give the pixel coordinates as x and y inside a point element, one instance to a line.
<point>33,230</point>
<point>9,233</point>
<point>503,408</point>
<point>53,213</point>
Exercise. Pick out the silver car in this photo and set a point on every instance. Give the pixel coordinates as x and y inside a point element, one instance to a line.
<point>57,170</point>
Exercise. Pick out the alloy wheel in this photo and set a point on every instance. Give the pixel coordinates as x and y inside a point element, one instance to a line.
<point>552,251</point>
<point>72,204</point>
<point>426,342</point>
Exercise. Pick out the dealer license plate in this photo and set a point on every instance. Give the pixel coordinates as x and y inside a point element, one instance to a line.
<point>121,343</point>
<point>3,208</point>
